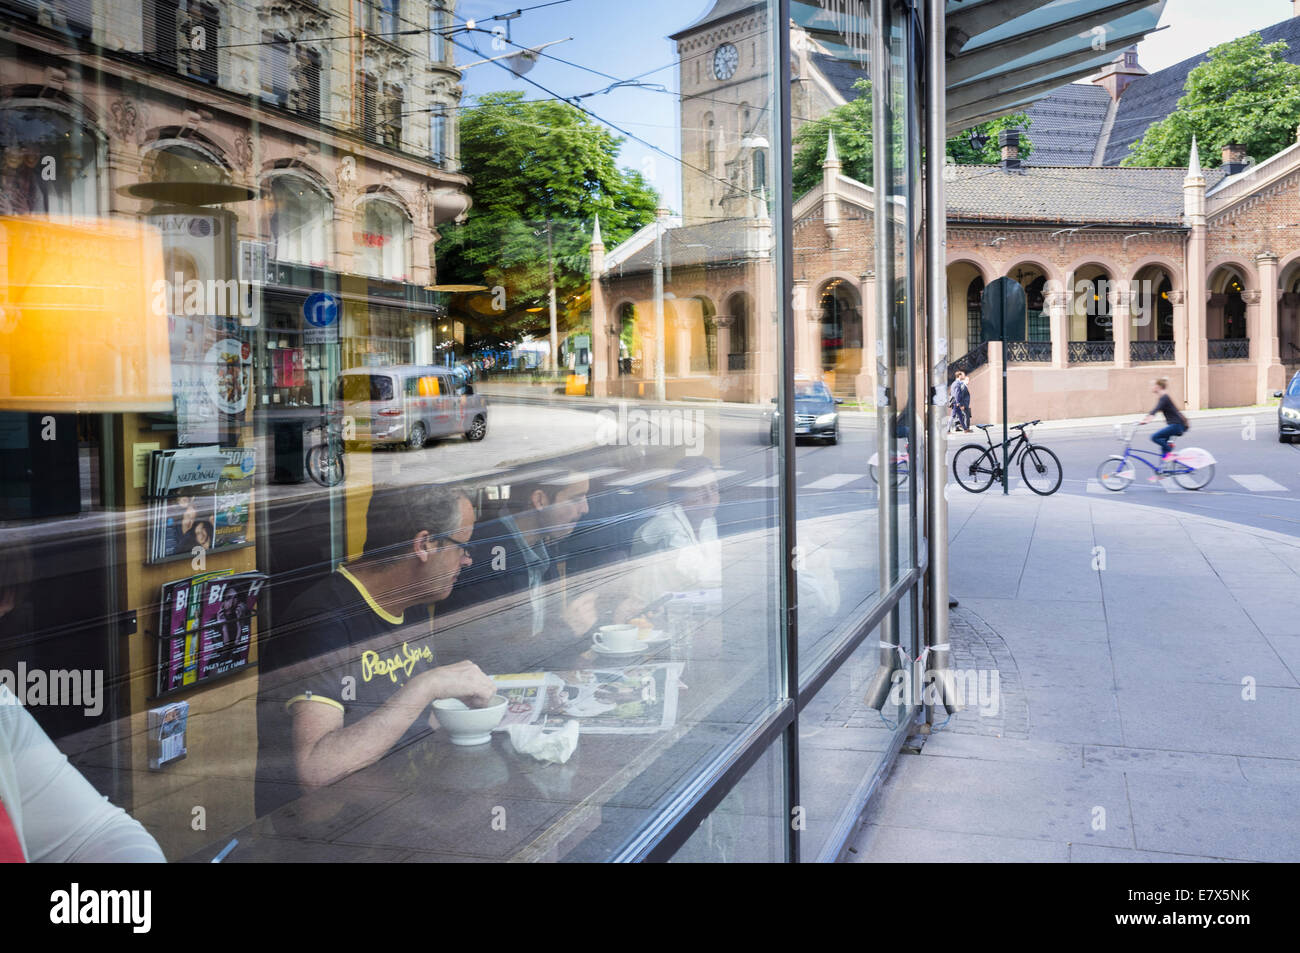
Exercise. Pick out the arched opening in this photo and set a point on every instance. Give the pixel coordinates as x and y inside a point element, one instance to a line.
<point>629,349</point>
<point>740,308</point>
<point>1226,314</point>
<point>841,334</point>
<point>1153,311</point>
<point>974,313</point>
<point>382,241</point>
<point>300,221</point>
<point>1288,316</point>
<point>49,163</point>
<point>1036,345</point>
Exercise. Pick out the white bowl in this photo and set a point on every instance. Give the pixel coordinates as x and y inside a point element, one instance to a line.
<point>469,726</point>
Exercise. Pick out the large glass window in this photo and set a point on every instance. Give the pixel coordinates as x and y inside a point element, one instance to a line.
<point>504,495</point>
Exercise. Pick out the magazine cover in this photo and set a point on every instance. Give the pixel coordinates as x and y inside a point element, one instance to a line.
<point>181,487</point>
<point>233,498</point>
<point>179,629</point>
<point>167,726</point>
<point>229,605</point>
<point>640,699</point>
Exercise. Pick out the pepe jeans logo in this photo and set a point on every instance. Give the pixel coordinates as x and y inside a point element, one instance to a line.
<point>373,664</point>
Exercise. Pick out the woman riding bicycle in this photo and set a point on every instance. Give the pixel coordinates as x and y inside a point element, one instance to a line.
<point>1175,423</point>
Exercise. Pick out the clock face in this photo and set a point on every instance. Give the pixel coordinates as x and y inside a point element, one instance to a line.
<point>725,60</point>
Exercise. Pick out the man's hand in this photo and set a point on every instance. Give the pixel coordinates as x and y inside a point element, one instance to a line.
<point>463,680</point>
<point>580,613</point>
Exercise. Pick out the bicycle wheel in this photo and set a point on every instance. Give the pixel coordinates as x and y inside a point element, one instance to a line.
<point>325,464</point>
<point>973,468</point>
<point>1040,470</point>
<point>1195,479</point>
<point>1115,473</point>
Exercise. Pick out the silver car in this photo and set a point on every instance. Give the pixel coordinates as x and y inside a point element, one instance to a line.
<point>408,404</point>
<point>1288,412</point>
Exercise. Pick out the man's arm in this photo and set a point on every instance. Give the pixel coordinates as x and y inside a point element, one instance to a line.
<point>325,750</point>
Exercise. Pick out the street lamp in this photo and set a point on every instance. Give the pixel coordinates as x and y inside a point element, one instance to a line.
<point>978,140</point>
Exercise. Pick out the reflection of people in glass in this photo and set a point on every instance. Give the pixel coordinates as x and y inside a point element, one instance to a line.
<point>687,527</point>
<point>48,810</point>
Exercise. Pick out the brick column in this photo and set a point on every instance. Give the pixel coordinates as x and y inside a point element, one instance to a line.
<point>1178,300</point>
<point>1121,323</point>
<point>1266,354</point>
<point>807,360</point>
<point>866,382</point>
<point>683,326</point>
<point>723,344</point>
<point>1058,309</point>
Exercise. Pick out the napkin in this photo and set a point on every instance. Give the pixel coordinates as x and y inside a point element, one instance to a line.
<point>556,745</point>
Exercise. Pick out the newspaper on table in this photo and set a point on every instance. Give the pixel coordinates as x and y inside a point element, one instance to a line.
<point>639,699</point>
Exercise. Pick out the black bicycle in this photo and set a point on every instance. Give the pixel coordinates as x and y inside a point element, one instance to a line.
<point>325,460</point>
<point>976,467</point>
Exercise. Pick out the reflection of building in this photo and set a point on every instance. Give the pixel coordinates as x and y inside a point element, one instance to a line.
<point>347,140</point>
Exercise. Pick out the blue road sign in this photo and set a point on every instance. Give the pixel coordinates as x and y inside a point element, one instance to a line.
<point>321,309</point>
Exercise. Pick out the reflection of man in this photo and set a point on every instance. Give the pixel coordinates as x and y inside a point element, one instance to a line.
<point>687,528</point>
<point>349,668</point>
<point>515,552</point>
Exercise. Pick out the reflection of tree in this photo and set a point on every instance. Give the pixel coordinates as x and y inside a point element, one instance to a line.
<point>537,165</point>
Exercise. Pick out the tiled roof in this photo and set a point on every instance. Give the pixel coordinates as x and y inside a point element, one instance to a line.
<point>1149,99</point>
<point>689,245</point>
<point>841,74</point>
<point>1069,196</point>
<point>719,10</point>
<point>1065,126</point>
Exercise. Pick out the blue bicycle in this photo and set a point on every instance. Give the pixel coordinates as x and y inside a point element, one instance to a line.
<point>1192,468</point>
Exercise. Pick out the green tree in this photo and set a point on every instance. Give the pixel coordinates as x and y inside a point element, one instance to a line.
<point>1245,93</point>
<point>538,167</point>
<point>963,152</point>
<point>851,123</point>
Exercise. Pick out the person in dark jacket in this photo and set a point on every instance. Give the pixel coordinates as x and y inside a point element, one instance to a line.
<point>1175,422</point>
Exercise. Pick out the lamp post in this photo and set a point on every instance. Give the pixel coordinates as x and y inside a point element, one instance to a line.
<point>550,271</point>
<point>660,389</point>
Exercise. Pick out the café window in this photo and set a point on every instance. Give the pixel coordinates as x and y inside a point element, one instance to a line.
<point>300,221</point>
<point>49,163</point>
<point>383,241</point>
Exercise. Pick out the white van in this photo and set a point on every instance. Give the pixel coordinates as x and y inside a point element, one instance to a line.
<point>408,404</point>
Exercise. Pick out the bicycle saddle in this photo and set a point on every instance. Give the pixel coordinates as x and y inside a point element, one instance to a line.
<point>985,426</point>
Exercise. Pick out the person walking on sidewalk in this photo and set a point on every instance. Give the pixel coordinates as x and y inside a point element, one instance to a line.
<point>961,401</point>
<point>1175,423</point>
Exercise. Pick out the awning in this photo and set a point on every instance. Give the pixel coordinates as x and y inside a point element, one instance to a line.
<point>1002,54</point>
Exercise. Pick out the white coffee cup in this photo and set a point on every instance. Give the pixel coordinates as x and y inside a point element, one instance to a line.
<point>618,638</point>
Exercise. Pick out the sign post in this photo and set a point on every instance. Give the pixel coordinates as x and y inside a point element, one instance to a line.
<point>1002,307</point>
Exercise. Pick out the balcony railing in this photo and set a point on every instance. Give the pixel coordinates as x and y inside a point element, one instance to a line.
<point>1092,352</point>
<point>1150,352</point>
<point>1029,352</point>
<point>1229,349</point>
<point>977,356</point>
<point>737,362</point>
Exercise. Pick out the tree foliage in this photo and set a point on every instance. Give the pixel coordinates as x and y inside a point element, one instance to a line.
<point>1245,92</point>
<point>852,124</point>
<point>534,163</point>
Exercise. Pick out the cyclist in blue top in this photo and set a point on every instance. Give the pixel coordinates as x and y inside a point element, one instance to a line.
<point>1175,423</point>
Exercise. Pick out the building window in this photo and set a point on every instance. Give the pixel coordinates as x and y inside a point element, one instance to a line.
<point>975,314</point>
<point>390,133</point>
<point>275,74</point>
<point>438,135</point>
<point>439,23</point>
<point>365,105</point>
<point>48,164</point>
<point>200,40</point>
<point>710,144</point>
<point>390,12</point>
<point>760,169</point>
<point>300,222</point>
<point>382,243</point>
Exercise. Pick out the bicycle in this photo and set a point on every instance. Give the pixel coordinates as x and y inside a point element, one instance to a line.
<point>1192,468</point>
<point>899,470</point>
<point>325,460</point>
<point>976,467</point>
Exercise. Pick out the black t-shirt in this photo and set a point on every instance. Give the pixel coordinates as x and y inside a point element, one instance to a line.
<point>336,646</point>
<point>1172,416</point>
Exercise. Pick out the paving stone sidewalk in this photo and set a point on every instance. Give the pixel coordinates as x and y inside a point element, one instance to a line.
<point>1149,705</point>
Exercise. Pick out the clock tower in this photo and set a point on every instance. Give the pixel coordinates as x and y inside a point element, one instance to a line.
<point>725,79</point>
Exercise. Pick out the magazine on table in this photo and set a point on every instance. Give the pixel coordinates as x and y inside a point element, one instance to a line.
<point>639,699</point>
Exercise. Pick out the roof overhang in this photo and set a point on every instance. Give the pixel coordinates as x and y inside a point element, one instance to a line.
<point>1002,54</point>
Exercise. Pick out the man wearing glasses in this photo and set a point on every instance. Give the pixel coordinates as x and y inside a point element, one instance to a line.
<point>350,667</point>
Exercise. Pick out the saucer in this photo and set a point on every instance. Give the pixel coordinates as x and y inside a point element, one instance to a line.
<point>656,637</point>
<point>602,650</point>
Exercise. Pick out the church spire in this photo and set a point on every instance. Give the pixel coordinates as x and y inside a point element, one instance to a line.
<point>1194,163</point>
<point>832,159</point>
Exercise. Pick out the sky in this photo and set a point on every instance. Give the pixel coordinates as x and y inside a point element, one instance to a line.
<point>607,41</point>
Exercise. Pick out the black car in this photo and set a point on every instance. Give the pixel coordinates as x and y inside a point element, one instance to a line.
<point>1288,412</point>
<point>814,413</point>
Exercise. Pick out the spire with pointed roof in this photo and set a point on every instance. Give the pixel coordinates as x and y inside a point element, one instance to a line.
<point>832,159</point>
<point>1194,163</point>
<point>595,233</point>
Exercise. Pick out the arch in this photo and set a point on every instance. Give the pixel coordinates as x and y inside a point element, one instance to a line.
<point>1151,286</point>
<point>1284,264</point>
<point>296,166</point>
<point>215,149</point>
<point>382,236</point>
<point>299,219</point>
<point>740,307</point>
<point>986,271</point>
<point>1250,278</point>
<point>1171,267</point>
<point>153,168</point>
<point>1028,261</point>
<point>1225,313</point>
<point>383,193</point>
<point>45,132</point>
<point>1091,305</point>
<point>839,307</point>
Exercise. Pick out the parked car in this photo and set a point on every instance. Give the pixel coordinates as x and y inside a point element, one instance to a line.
<point>1288,412</point>
<point>408,404</point>
<point>814,412</point>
